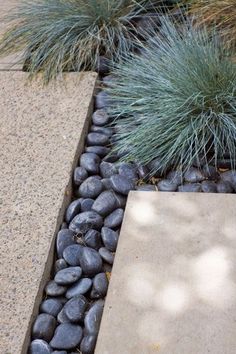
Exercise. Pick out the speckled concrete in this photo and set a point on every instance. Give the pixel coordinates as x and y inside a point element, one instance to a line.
<point>173,284</point>
<point>41,134</point>
<point>14,61</point>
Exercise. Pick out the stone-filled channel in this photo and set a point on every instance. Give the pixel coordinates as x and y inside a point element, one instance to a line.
<point>70,314</point>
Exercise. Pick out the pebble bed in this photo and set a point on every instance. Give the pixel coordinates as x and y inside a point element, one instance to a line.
<point>70,314</point>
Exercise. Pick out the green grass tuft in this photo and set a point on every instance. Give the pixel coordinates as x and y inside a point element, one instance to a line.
<point>62,35</point>
<point>177,102</point>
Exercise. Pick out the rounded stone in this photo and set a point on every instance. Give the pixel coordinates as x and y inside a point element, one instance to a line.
<point>100,117</point>
<point>107,80</point>
<point>128,170</point>
<point>106,203</point>
<point>62,318</point>
<point>97,139</point>
<point>87,204</point>
<point>75,308</point>
<point>107,169</point>
<point>90,162</point>
<point>190,187</point>
<point>102,130</point>
<point>67,336</point>
<point>98,150</point>
<point>175,177</point>
<point>166,185</point>
<point>44,327</point>
<point>60,264</point>
<point>72,210</point>
<point>88,344</point>
<point>53,289</point>
<point>51,307</point>
<point>90,261</point>
<point>109,238</point>
<point>72,254</point>
<point>224,187</point>
<point>93,239</point>
<point>59,352</point>
<point>65,238</point>
<point>115,219</point>
<point>68,276</point>
<point>121,184</point>
<point>86,220</point>
<point>142,171</point>
<point>93,318</point>
<point>103,65</point>
<point>90,188</point>
<point>106,182</point>
<point>39,346</point>
<point>229,176</point>
<point>111,157</point>
<point>155,167</point>
<point>193,175</point>
<point>79,288</point>
<point>101,100</point>
<point>106,255</point>
<point>80,174</point>
<point>209,187</point>
<point>100,286</point>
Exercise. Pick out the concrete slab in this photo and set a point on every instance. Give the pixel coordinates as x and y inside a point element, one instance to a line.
<point>173,286</point>
<point>41,134</point>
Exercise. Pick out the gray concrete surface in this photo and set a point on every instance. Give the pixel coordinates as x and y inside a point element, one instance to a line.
<point>173,285</point>
<point>41,134</point>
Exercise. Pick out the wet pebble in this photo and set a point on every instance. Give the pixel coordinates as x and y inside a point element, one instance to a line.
<point>65,238</point>
<point>93,239</point>
<point>75,308</point>
<point>106,255</point>
<point>88,344</point>
<point>67,336</point>
<point>51,307</point>
<point>190,187</point>
<point>60,264</point>
<point>114,219</point>
<point>72,210</point>
<point>100,286</point>
<point>93,318</point>
<point>109,238</point>
<point>224,187</point>
<point>209,187</point>
<point>100,117</point>
<point>97,139</point>
<point>39,346</point>
<point>79,288</point>
<point>80,174</point>
<point>98,150</point>
<point>128,170</point>
<point>90,188</point>
<point>122,184</point>
<point>87,204</point>
<point>90,261</point>
<point>167,185</point>
<point>72,254</point>
<point>101,100</point>
<point>44,327</point>
<point>193,175</point>
<point>107,202</point>
<point>107,169</point>
<point>53,289</point>
<point>86,220</point>
<point>68,276</point>
<point>90,162</point>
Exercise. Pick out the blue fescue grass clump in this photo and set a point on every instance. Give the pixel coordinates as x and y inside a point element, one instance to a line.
<point>177,101</point>
<point>61,35</point>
